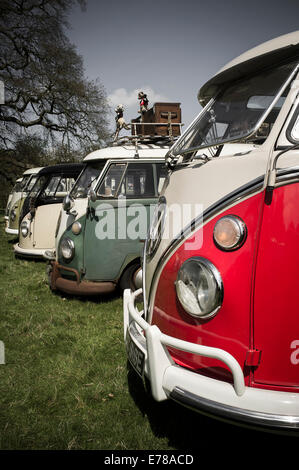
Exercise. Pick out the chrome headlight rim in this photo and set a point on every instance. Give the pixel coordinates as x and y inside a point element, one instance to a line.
<point>71,247</point>
<point>24,227</point>
<point>241,226</point>
<point>219,291</point>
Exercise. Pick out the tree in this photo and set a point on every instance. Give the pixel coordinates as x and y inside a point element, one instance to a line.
<point>45,87</point>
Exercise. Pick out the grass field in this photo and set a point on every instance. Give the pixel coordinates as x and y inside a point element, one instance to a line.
<point>66,385</point>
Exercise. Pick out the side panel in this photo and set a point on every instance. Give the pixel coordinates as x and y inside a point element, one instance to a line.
<point>110,235</point>
<point>66,220</point>
<point>276,300</point>
<point>44,226</point>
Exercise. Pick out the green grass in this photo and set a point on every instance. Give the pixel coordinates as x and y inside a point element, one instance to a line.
<point>66,385</point>
<point>65,381</point>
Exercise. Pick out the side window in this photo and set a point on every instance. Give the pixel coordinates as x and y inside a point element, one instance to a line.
<point>138,181</point>
<point>112,180</point>
<point>38,186</point>
<point>70,183</point>
<point>65,185</point>
<point>61,188</point>
<point>161,176</point>
<point>56,187</point>
<point>52,186</point>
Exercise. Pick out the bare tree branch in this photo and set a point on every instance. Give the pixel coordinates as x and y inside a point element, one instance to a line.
<point>45,87</point>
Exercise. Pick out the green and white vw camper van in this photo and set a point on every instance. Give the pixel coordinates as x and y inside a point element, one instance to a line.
<point>105,218</point>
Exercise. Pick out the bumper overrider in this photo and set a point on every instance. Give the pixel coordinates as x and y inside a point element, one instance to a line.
<point>76,287</point>
<point>148,354</point>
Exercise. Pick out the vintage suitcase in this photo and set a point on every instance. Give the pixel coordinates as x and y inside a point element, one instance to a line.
<point>167,114</point>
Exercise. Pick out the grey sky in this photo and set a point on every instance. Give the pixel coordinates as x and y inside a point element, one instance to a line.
<point>170,48</point>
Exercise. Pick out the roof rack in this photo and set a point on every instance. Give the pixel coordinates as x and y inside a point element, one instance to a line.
<point>149,138</point>
<point>159,125</point>
<point>135,126</point>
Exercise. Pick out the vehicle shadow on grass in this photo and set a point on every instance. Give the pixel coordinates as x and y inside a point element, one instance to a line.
<point>32,259</point>
<point>97,299</point>
<point>29,258</point>
<point>12,241</point>
<point>188,430</point>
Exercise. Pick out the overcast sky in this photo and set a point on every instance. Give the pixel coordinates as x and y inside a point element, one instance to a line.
<point>169,49</point>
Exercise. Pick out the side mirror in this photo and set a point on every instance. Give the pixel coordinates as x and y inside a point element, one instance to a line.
<point>92,195</point>
<point>67,203</point>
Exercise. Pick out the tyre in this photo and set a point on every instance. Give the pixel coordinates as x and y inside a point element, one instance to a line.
<point>129,279</point>
<point>49,269</point>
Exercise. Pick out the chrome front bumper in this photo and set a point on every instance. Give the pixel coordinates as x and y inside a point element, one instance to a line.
<point>77,287</point>
<point>168,380</point>
<point>30,253</point>
<point>11,231</point>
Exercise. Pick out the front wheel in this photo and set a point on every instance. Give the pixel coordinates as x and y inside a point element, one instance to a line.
<point>49,269</point>
<point>131,278</point>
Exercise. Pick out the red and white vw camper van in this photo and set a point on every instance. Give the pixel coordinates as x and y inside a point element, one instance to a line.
<point>219,331</point>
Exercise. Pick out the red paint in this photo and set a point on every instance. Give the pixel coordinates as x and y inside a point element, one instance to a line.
<point>276,294</point>
<point>253,358</point>
<point>259,317</point>
<point>230,328</point>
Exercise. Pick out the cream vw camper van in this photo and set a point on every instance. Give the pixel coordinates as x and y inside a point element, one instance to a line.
<point>16,203</point>
<point>41,208</point>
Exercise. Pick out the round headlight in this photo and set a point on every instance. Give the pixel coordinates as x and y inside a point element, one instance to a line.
<point>199,287</point>
<point>24,229</point>
<point>13,215</point>
<point>76,228</point>
<point>229,233</point>
<point>67,249</point>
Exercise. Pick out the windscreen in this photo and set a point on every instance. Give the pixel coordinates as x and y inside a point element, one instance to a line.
<point>48,189</point>
<point>17,187</point>
<point>88,176</point>
<point>31,183</point>
<point>39,182</point>
<point>238,110</point>
<point>24,182</point>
